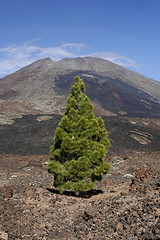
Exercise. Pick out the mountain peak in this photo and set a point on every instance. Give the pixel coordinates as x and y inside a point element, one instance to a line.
<point>43,61</point>
<point>37,64</point>
<point>43,86</point>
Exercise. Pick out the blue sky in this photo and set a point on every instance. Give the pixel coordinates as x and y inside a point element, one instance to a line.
<point>126,32</point>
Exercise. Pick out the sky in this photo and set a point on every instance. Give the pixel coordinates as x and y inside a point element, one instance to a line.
<point>126,32</point>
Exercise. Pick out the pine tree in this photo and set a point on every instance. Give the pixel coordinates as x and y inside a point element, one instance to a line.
<point>80,144</point>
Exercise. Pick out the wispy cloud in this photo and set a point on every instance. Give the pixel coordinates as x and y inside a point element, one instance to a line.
<point>113,57</point>
<point>15,57</point>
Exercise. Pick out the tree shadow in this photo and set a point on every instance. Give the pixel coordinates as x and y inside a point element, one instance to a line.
<point>85,194</point>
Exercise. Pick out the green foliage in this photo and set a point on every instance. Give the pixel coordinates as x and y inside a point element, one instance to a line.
<point>80,144</point>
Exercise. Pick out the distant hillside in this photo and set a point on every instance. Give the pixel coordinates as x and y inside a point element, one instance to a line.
<point>42,88</point>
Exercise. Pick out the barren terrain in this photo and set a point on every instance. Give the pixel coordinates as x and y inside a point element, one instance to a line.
<point>125,205</point>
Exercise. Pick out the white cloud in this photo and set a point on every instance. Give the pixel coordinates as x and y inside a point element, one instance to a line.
<point>113,57</point>
<point>15,57</point>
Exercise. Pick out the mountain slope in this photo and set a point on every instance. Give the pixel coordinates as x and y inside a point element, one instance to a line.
<point>42,87</point>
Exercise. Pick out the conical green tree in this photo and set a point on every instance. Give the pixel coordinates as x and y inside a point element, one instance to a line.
<point>80,144</point>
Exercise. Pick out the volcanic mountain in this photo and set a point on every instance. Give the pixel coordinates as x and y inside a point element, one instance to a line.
<point>42,88</point>
<point>125,204</point>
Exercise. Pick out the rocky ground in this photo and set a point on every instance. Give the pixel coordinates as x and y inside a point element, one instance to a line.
<point>125,205</point>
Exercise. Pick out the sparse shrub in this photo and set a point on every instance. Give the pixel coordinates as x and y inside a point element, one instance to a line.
<point>80,144</point>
